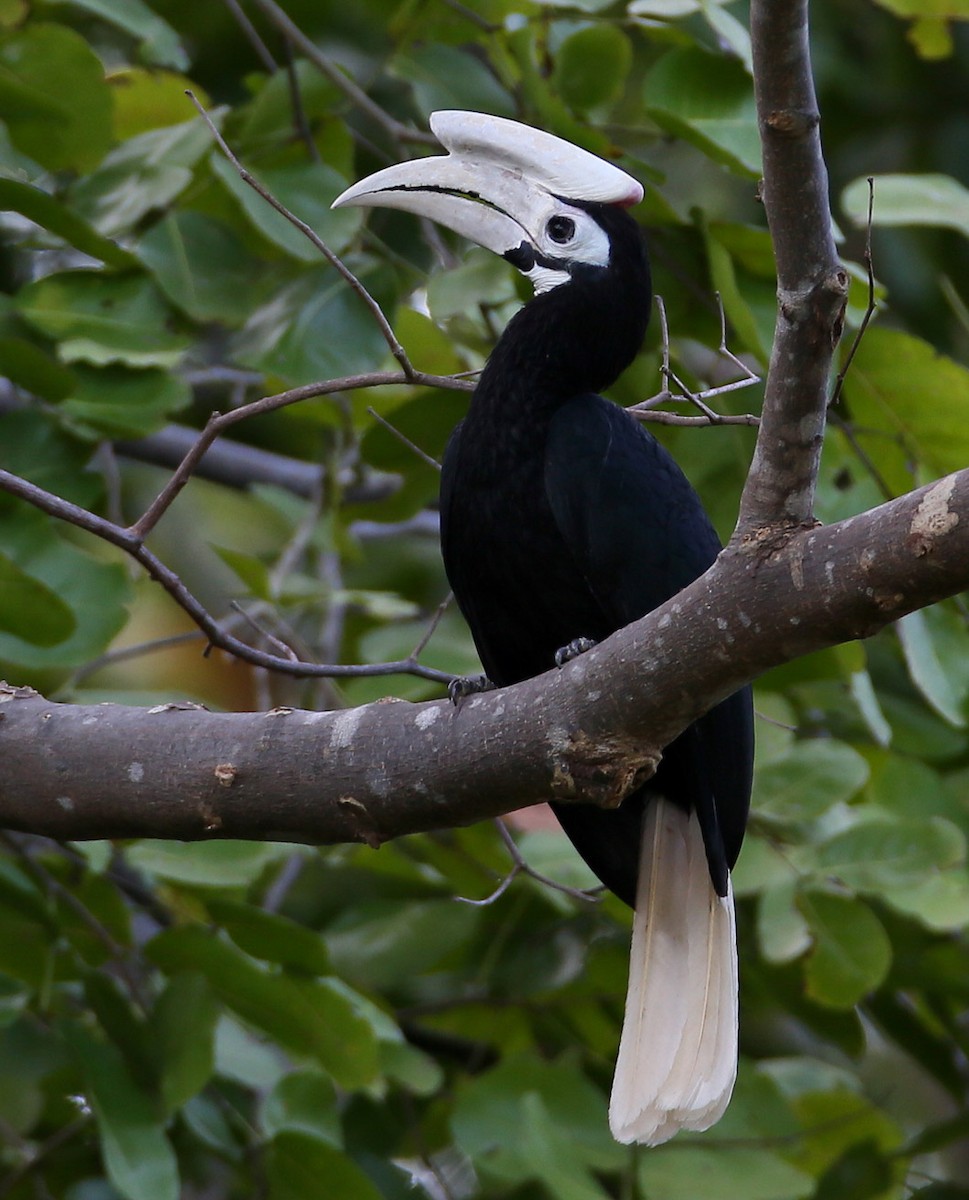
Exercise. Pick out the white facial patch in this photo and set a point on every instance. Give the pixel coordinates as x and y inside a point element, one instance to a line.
<point>564,237</point>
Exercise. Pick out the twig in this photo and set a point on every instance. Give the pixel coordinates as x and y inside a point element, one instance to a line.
<point>57,891</point>
<point>286,651</point>
<point>520,867</point>
<point>132,544</point>
<point>432,626</point>
<point>405,440</point>
<point>124,653</point>
<point>275,15</point>
<point>396,349</point>
<point>871,307</point>
<point>299,112</point>
<point>255,408</point>
<point>263,52</point>
<point>647,410</point>
<point>36,1159</point>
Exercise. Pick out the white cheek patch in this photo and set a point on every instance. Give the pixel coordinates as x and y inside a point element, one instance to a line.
<point>543,279</point>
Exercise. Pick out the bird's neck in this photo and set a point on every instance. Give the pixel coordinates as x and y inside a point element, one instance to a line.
<point>577,338</point>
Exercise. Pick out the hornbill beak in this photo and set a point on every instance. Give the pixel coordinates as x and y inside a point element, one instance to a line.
<point>500,184</point>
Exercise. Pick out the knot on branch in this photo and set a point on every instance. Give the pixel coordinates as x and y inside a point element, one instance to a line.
<point>600,771</point>
<point>792,122</point>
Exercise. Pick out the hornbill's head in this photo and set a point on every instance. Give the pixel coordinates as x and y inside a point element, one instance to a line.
<point>553,210</point>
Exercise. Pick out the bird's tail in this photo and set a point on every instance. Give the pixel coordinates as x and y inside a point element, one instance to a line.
<point>678,1052</point>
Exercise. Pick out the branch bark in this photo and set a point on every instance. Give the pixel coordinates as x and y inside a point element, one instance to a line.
<point>589,732</point>
<point>812,285</point>
<point>593,730</point>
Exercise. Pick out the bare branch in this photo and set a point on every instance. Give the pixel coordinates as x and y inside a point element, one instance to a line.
<point>275,15</point>
<point>574,734</point>
<point>396,349</point>
<point>131,543</point>
<point>648,410</point>
<point>812,284</point>
<point>871,306</point>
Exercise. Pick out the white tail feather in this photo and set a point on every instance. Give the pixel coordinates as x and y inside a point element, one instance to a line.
<point>678,1052</point>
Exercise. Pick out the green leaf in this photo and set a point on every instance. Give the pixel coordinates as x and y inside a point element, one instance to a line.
<point>309,1018</point>
<point>708,100</point>
<point>159,41</point>
<point>808,780</point>
<point>894,386</point>
<point>120,402</point>
<point>95,591</point>
<point>33,446</point>
<point>591,66</point>
<point>203,268</point>
<point>500,1118</point>
<point>881,853</point>
<point>851,953</point>
<point>251,571</point>
<point>61,127</point>
<point>37,206</point>
<point>102,319</point>
<point>935,675</point>
<point>31,368</point>
<point>686,1171</point>
<point>271,937</point>
<point>206,864</point>
<point>382,942</point>
<point>30,610</point>
<point>139,1161</point>
<point>445,77</point>
<point>782,930</point>
<point>142,175</point>
<point>303,1102</point>
<point>301,1167</point>
<point>314,328</point>
<point>307,189</point>
<point>910,200</point>
<point>181,1030</point>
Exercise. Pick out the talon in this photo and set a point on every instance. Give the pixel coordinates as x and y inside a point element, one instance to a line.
<point>573,650</point>
<point>459,689</point>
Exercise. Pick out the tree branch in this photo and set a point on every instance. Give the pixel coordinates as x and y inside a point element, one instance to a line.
<point>589,732</point>
<point>812,286</point>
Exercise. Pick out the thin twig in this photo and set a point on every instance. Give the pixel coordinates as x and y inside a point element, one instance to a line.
<point>263,52</point>
<point>36,1159</point>
<point>648,410</point>
<point>396,349</point>
<point>219,422</point>
<point>300,119</point>
<point>275,15</point>
<point>871,307</point>
<point>432,626</point>
<point>521,867</point>
<point>405,440</point>
<point>217,636</point>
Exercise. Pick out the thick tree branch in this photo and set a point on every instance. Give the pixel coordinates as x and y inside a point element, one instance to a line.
<point>812,286</point>
<point>589,732</point>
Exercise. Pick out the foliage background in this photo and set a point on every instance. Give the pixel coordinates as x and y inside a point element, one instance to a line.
<point>238,1020</point>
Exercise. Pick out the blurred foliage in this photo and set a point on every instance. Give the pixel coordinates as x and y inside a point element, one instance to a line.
<point>264,1020</point>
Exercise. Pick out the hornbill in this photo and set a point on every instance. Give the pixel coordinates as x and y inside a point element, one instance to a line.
<point>563,520</point>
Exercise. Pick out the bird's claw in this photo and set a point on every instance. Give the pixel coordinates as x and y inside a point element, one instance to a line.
<point>573,650</point>
<point>462,687</point>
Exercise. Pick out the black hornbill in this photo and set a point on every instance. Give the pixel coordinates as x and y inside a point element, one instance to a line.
<point>563,520</point>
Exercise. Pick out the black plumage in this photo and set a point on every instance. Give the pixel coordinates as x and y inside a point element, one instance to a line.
<point>564,520</point>
<point>561,518</point>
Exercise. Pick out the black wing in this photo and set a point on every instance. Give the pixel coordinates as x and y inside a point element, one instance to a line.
<point>638,535</point>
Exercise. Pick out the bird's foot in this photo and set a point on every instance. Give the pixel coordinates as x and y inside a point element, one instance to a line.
<point>460,688</point>
<point>573,650</point>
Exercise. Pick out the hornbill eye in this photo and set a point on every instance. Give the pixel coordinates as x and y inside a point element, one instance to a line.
<point>560,229</point>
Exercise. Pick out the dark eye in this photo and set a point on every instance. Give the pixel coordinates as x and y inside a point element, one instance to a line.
<point>560,229</point>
